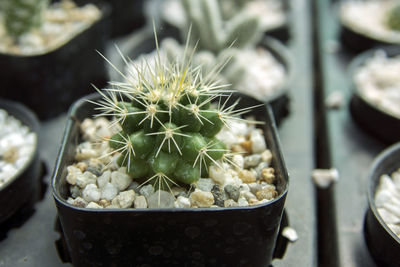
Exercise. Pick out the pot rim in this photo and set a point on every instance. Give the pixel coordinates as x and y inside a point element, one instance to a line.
<point>372,184</point>
<point>29,115</point>
<point>57,196</point>
<point>359,61</point>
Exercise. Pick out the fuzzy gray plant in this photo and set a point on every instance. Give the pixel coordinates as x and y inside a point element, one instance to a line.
<point>20,16</point>
<point>211,32</point>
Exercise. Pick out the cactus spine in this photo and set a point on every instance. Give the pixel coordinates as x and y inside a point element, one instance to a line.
<point>20,16</point>
<point>168,126</point>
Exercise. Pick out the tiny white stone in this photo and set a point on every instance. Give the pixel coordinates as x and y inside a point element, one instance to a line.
<point>93,205</point>
<point>85,178</point>
<point>258,144</point>
<point>120,179</point>
<point>161,199</point>
<point>219,175</point>
<point>182,202</point>
<point>323,178</point>
<point>124,199</point>
<point>242,202</point>
<point>140,202</point>
<point>73,172</point>
<point>146,190</point>
<point>109,192</point>
<point>290,234</point>
<point>91,193</point>
<point>238,160</point>
<point>252,160</point>
<point>103,179</point>
<point>205,184</point>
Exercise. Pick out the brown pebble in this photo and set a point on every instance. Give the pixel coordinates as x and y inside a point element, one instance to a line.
<point>246,145</point>
<point>247,176</point>
<point>267,174</point>
<point>82,166</point>
<point>11,155</point>
<point>268,192</point>
<point>238,149</point>
<point>104,203</point>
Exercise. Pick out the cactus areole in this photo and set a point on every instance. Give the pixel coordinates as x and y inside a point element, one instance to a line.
<point>168,125</point>
<point>21,16</point>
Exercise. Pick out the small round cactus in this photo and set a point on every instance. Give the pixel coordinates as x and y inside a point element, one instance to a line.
<point>393,18</point>
<point>168,124</point>
<point>20,16</point>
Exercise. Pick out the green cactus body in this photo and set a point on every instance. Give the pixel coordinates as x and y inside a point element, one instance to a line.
<point>20,16</point>
<point>393,18</point>
<point>168,127</point>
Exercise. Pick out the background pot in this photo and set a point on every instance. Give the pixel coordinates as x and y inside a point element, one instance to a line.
<point>373,119</point>
<point>383,244</point>
<point>126,15</point>
<point>143,42</point>
<point>169,237</point>
<point>48,83</point>
<point>22,188</point>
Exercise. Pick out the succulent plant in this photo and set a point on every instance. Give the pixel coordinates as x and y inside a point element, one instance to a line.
<point>393,18</point>
<point>20,16</point>
<point>211,32</point>
<point>168,125</point>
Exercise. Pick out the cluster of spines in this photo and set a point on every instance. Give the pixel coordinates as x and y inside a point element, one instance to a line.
<point>169,126</point>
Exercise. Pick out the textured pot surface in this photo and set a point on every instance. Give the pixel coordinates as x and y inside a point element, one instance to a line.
<point>20,190</point>
<point>169,237</point>
<point>384,245</point>
<point>50,82</point>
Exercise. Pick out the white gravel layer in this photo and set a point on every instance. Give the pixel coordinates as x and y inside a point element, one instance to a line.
<point>95,183</point>
<point>387,200</point>
<point>378,80</point>
<point>369,18</point>
<point>17,146</point>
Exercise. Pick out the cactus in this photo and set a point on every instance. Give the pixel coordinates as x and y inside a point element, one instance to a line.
<point>20,16</point>
<point>212,33</point>
<point>393,18</point>
<point>168,125</point>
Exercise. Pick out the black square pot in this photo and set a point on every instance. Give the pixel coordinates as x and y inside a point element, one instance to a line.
<point>240,236</point>
<point>48,83</point>
<point>22,188</point>
<point>383,244</point>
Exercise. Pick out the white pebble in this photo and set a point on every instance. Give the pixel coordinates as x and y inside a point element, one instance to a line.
<point>182,202</point>
<point>104,179</point>
<point>91,193</point>
<point>161,199</point>
<point>146,190</point>
<point>219,175</point>
<point>140,202</point>
<point>73,172</point>
<point>120,179</point>
<point>109,192</point>
<point>124,199</point>
<point>93,205</point>
<point>85,178</point>
<point>258,144</point>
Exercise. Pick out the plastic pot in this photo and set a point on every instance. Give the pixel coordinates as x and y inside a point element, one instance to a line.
<point>143,42</point>
<point>21,189</point>
<point>383,244</point>
<point>242,236</point>
<point>48,83</point>
<point>375,120</point>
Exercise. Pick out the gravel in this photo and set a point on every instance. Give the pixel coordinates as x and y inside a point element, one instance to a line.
<point>378,80</point>
<point>17,146</point>
<point>248,181</point>
<point>387,200</point>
